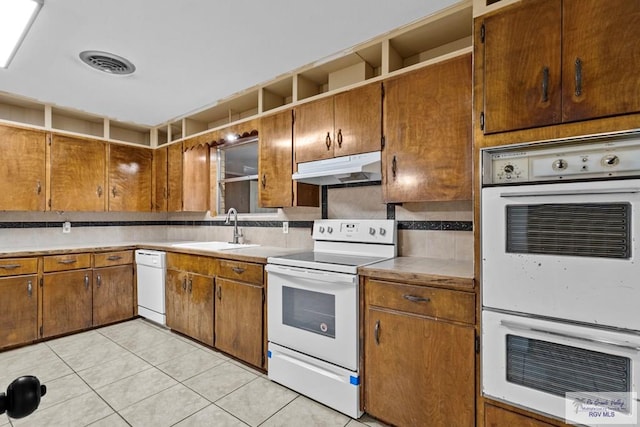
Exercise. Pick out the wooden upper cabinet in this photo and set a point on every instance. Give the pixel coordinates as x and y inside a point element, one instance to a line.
<point>195,179</point>
<point>427,122</point>
<point>160,183</point>
<point>556,61</point>
<point>130,173</point>
<point>22,175</point>
<point>601,58</point>
<point>344,124</point>
<point>78,179</point>
<point>522,61</point>
<point>174,177</point>
<point>275,161</point>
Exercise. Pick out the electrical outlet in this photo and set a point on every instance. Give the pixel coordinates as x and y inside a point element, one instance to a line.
<point>66,227</point>
<point>285,227</point>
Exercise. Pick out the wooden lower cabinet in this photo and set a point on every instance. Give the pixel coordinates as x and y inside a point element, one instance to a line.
<point>189,304</point>
<point>498,417</point>
<point>238,320</point>
<point>418,370</point>
<point>66,302</point>
<point>113,294</point>
<point>19,308</point>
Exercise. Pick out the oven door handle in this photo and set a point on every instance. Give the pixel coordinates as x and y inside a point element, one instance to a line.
<point>322,276</point>
<point>573,192</point>
<point>518,326</point>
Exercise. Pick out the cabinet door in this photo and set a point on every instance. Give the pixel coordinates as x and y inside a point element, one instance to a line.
<point>603,37</point>
<point>77,174</point>
<point>177,302</point>
<point>522,60</point>
<point>112,294</point>
<point>161,192</point>
<point>418,371</point>
<point>129,178</point>
<point>200,290</point>
<point>19,308</point>
<point>195,179</point>
<point>358,120</point>
<point>22,175</point>
<point>275,161</point>
<point>427,123</point>
<point>66,302</point>
<point>174,177</point>
<point>498,417</point>
<point>239,320</point>
<point>313,130</point>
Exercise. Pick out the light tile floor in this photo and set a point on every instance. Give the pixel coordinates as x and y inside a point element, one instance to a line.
<point>139,374</point>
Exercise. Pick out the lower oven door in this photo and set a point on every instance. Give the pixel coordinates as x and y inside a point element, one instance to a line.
<point>563,250</point>
<point>534,363</point>
<point>314,312</point>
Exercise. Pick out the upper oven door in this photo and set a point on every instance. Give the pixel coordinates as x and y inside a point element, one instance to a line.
<point>314,312</point>
<point>567,250</point>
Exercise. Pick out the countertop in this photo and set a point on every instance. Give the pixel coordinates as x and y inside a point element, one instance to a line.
<point>419,270</point>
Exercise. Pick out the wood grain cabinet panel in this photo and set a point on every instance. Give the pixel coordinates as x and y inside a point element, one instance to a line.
<point>113,294</point>
<point>498,417</point>
<point>174,177</point>
<point>66,262</point>
<point>427,122</point>
<point>130,173</point>
<point>195,179</point>
<point>313,130</point>
<point>66,302</point>
<point>19,308</point>
<point>160,183</point>
<point>22,175</point>
<point>18,266</point>
<point>177,305</point>
<point>78,174</point>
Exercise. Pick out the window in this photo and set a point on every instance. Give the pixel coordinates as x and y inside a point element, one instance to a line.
<point>238,177</point>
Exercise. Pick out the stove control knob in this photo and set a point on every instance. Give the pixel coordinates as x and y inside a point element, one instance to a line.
<point>329,230</point>
<point>509,168</point>
<point>610,160</point>
<point>321,229</point>
<point>559,165</point>
<point>372,231</point>
<point>382,231</point>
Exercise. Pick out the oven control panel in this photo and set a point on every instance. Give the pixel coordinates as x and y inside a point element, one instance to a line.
<point>557,161</point>
<point>357,230</point>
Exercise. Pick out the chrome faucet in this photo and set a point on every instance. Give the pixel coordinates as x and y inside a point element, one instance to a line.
<point>236,233</point>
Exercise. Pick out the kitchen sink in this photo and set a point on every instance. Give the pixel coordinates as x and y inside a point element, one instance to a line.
<point>212,246</point>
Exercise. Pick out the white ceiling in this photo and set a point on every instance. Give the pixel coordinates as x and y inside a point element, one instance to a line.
<point>188,53</point>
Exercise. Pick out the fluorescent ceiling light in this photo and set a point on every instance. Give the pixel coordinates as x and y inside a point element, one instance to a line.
<point>16,17</point>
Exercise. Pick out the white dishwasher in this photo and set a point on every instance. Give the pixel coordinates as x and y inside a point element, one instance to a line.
<point>151,266</point>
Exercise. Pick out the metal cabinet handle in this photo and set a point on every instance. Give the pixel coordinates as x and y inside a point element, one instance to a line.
<point>264,180</point>
<point>238,270</point>
<point>86,281</point>
<point>38,188</point>
<point>30,288</point>
<point>184,284</point>
<point>114,192</point>
<point>545,84</point>
<point>114,258</point>
<point>164,193</point>
<point>10,266</point>
<point>99,190</point>
<point>67,261</point>
<point>328,141</point>
<point>339,138</point>
<point>578,77</point>
<point>414,298</point>
<point>219,292</point>
<point>376,332</point>
<point>394,167</point>
<point>99,280</point>
<point>190,285</point>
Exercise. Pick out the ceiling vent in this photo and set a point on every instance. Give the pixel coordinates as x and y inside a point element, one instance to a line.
<point>107,62</point>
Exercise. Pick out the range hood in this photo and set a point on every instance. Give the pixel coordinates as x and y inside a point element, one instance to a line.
<point>341,170</point>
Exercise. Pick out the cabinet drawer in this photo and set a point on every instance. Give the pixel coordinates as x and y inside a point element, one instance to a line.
<point>243,271</point>
<point>432,302</point>
<point>18,266</point>
<point>192,263</point>
<point>66,262</point>
<point>107,259</point>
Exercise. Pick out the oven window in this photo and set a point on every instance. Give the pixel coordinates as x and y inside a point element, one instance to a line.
<point>558,369</point>
<point>588,230</point>
<point>308,310</point>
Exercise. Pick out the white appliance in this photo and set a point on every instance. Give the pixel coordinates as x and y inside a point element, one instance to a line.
<point>313,303</point>
<point>151,275</point>
<point>560,225</point>
<point>341,170</point>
